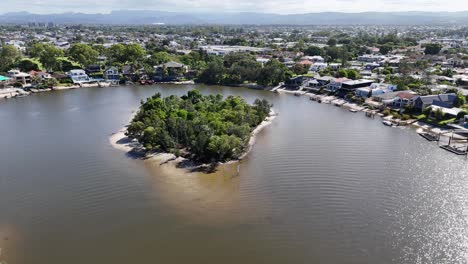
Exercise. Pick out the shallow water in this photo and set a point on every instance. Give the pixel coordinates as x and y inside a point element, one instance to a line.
<point>322,185</point>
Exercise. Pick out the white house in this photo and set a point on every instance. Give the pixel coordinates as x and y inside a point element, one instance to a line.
<point>78,76</point>
<point>318,66</point>
<point>18,76</point>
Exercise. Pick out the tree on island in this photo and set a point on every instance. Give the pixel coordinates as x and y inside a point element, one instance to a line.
<point>207,128</point>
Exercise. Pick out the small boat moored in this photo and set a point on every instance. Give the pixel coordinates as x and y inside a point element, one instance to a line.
<point>387,123</point>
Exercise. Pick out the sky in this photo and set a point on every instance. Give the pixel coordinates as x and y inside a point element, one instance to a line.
<point>264,6</point>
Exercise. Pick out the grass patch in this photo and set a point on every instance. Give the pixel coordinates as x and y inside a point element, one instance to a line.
<point>419,117</point>
<point>445,122</point>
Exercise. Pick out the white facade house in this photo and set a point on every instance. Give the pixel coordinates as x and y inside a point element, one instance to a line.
<point>78,76</point>
<point>18,76</point>
<point>318,66</point>
<point>313,58</point>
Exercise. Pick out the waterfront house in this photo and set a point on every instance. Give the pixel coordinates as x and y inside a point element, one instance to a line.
<point>43,75</point>
<point>19,77</point>
<point>112,73</point>
<point>404,99</point>
<point>129,72</point>
<point>352,85</point>
<point>170,71</point>
<point>442,100</point>
<point>385,98</point>
<point>78,76</point>
<point>294,82</point>
<point>336,84</point>
<point>363,92</point>
<point>90,69</point>
<point>324,80</point>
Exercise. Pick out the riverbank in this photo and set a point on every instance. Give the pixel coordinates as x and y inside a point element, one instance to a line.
<point>419,127</point>
<point>8,93</point>
<point>134,149</point>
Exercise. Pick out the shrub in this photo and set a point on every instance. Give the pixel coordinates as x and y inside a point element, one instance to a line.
<point>462,114</point>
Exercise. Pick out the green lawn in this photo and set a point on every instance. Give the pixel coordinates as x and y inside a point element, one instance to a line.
<point>435,122</point>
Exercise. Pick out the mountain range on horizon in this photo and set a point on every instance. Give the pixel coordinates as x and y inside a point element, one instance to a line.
<point>146,17</point>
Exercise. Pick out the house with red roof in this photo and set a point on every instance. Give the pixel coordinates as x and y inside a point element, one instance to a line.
<point>405,98</point>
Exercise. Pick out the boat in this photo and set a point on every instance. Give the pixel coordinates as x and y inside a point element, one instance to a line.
<point>387,123</point>
<point>352,110</point>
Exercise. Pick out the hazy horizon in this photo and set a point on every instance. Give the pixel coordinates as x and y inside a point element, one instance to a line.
<point>258,6</point>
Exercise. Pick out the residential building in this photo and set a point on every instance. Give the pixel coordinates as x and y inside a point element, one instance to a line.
<point>336,84</point>
<point>443,100</point>
<point>112,73</point>
<point>352,85</point>
<point>19,76</point>
<point>404,99</point>
<point>78,76</point>
<point>318,66</point>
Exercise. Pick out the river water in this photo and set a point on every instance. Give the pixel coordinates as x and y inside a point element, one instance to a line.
<point>322,185</point>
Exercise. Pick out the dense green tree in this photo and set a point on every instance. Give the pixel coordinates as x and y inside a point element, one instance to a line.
<point>432,48</point>
<point>8,55</point>
<point>213,74</point>
<point>273,73</point>
<point>313,51</point>
<point>332,42</point>
<point>385,49</point>
<point>131,53</point>
<point>27,65</point>
<point>83,54</point>
<point>47,54</point>
<point>300,69</point>
<point>209,127</point>
<point>353,74</point>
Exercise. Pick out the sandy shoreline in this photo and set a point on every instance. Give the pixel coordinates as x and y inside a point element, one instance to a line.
<point>121,142</point>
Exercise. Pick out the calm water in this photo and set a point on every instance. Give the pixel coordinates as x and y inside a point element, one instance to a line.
<point>322,185</point>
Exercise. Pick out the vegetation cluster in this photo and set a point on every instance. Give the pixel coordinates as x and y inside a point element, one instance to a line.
<point>203,128</point>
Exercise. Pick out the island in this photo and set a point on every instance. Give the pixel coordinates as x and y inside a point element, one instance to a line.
<point>204,129</point>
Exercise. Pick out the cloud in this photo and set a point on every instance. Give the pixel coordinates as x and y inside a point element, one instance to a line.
<point>270,6</point>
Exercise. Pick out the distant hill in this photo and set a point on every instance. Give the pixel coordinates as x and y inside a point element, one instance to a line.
<point>126,17</point>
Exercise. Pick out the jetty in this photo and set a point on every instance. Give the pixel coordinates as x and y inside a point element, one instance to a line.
<point>461,151</point>
<point>430,137</point>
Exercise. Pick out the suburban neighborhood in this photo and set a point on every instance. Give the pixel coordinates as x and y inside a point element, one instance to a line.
<point>406,74</point>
